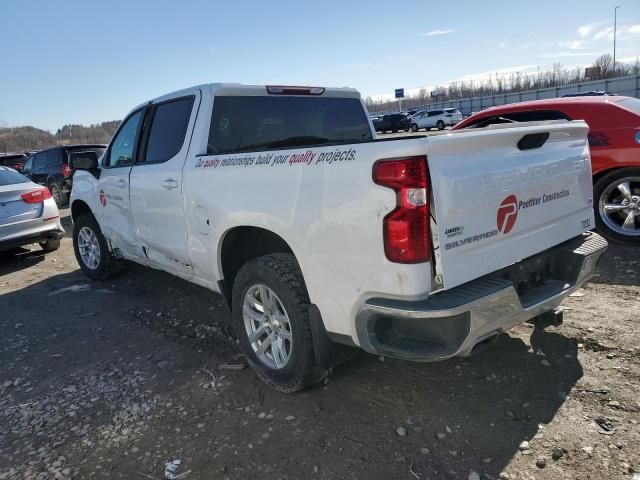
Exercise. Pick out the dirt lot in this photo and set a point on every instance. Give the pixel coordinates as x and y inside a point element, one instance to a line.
<point>114,379</point>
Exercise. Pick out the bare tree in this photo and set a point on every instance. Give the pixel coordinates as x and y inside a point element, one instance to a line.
<point>604,65</point>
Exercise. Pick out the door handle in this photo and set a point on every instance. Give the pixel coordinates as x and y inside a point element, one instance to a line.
<point>170,184</point>
<point>122,183</point>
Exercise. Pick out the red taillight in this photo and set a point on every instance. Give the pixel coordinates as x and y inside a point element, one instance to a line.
<point>406,228</point>
<point>293,90</point>
<point>36,196</point>
<point>66,170</point>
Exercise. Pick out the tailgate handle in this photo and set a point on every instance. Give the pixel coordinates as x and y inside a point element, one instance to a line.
<point>533,140</point>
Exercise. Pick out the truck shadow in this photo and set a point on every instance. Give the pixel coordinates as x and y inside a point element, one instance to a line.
<point>620,265</point>
<point>469,414</point>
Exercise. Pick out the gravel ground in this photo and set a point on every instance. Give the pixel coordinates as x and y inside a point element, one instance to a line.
<point>115,379</point>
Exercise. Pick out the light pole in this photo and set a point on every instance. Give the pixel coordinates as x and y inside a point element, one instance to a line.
<point>615,28</point>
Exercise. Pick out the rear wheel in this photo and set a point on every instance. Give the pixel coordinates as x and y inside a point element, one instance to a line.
<point>271,318</point>
<point>440,125</point>
<point>617,205</point>
<point>56,193</point>
<point>50,245</point>
<point>91,249</point>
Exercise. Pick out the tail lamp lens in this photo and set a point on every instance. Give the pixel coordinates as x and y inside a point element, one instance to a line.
<point>36,196</point>
<point>406,228</point>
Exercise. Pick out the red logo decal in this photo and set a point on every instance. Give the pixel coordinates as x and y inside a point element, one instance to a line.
<point>103,198</point>
<point>507,214</point>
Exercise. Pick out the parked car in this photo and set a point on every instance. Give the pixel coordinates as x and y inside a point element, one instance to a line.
<point>392,123</point>
<point>28,214</point>
<point>319,235</point>
<point>52,168</point>
<point>614,139</point>
<point>439,119</point>
<point>14,160</point>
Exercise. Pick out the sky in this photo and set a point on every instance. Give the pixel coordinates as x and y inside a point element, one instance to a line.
<point>86,61</point>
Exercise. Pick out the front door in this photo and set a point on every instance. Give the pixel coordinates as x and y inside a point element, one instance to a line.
<point>156,183</point>
<point>114,205</point>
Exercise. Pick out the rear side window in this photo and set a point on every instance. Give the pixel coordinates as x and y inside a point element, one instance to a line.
<point>244,124</point>
<point>519,117</point>
<point>39,160</point>
<point>54,156</point>
<point>11,177</point>
<point>168,129</point>
<point>452,110</point>
<point>632,104</point>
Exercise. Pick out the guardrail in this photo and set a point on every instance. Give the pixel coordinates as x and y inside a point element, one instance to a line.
<point>628,86</point>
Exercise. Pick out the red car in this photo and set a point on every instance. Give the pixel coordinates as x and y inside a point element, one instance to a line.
<point>614,138</point>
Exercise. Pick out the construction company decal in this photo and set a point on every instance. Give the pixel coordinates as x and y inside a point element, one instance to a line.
<point>507,215</point>
<point>107,196</point>
<point>273,159</point>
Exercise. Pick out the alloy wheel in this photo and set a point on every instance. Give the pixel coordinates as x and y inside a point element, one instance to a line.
<point>619,206</point>
<point>267,326</point>
<point>89,248</point>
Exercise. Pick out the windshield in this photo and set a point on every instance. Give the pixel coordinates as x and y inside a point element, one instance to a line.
<point>11,177</point>
<point>244,124</point>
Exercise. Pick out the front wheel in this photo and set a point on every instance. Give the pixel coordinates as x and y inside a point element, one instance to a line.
<point>91,249</point>
<point>440,125</point>
<point>414,127</point>
<point>271,318</point>
<point>617,205</point>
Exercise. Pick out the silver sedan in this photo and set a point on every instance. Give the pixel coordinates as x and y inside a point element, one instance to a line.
<point>28,214</point>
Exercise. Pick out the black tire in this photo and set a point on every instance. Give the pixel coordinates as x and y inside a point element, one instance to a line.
<point>50,245</point>
<point>280,273</point>
<point>600,189</point>
<point>108,265</point>
<point>394,131</point>
<point>58,195</point>
<point>440,125</point>
<point>414,127</point>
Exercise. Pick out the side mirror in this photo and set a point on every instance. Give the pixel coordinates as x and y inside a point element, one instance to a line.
<point>84,161</point>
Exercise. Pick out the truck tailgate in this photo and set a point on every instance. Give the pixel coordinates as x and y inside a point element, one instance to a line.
<point>497,201</point>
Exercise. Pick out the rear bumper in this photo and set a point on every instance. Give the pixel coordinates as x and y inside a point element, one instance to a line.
<point>453,322</point>
<point>15,242</point>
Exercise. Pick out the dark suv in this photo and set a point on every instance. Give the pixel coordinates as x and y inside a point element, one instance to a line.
<point>52,167</point>
<point>13,160</point>
<point>393,122</point>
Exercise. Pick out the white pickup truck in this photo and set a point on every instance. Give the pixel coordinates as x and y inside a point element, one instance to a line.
<point>319,235</point>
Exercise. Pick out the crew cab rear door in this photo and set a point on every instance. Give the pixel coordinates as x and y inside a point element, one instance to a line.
<point>156,182</point>
<point>505,193</point>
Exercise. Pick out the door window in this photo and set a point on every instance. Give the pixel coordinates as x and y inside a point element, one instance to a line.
<point>168,129</point>
<point>123,147</point>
